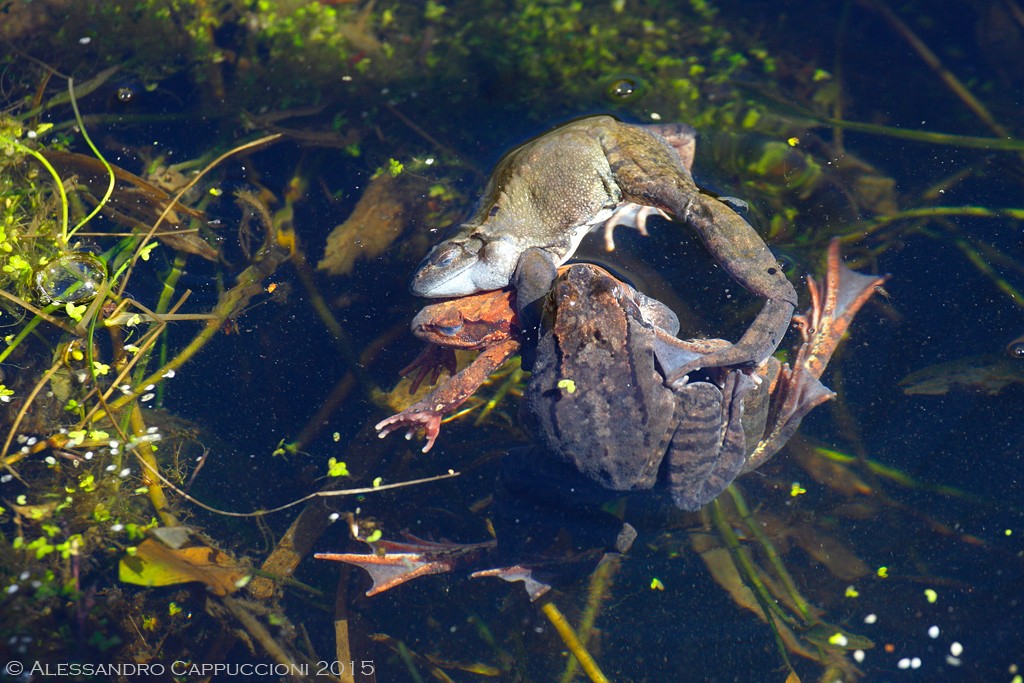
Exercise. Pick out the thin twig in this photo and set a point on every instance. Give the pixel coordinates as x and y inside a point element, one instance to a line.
<point>572,642</point>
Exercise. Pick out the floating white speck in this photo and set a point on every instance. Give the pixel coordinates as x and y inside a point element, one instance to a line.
<point>50,460</point>
<point>84,40</point>
<point>110,468</point>
<point>858,656</point>
<point>148,397</point>
<point>117,527</point>
<point>956,649</point>
<point>125,389</point>
<point>31,135</point>
<point>125,472</point>
<point>655,116</point>
<point>6,478</point>
<point>333,517</point>
<point>23,576</point>
<point>952,661</point>
<point>149,387</point>
<point>933,632</point>
<point>871,618</point>
<point>12,589</point>
<point>152,430</point>
<point>903,663</point>
<point>169,374</point>
<point>32,441</point>
<point>429,161</point>
<point>88,455</point>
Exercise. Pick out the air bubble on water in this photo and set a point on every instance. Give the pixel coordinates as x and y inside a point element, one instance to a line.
<point>72,278</point>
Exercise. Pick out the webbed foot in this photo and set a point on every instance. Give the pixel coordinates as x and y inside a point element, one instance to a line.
<point>415,417</point>
<point>533,586</point>
<point>832,310</point>
<point>401,562</point>
<point>428,366</point>
<point>798,390</point>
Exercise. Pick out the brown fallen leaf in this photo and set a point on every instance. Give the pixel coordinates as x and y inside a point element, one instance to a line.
<point>154,564</point>
<point>389,205</point>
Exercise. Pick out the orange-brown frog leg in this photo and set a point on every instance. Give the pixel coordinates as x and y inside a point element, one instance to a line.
<point>798,390</point>
<point>452,393</point>
<point>428,366</point>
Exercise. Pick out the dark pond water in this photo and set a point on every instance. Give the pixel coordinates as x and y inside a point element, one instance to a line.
<point>897,516</point>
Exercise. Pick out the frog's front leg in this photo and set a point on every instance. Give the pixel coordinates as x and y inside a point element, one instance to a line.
<point>427,414</point>
<point>630,215</point>
<point>427,366</point>
<point>742,253</point>
<point>533,278</point>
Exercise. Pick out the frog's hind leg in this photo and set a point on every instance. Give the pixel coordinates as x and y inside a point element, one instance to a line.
<point>822,328</point>
<point>742,253</point>
<point>649,171</point>
<point>680,137</point>
<point>708,449</point>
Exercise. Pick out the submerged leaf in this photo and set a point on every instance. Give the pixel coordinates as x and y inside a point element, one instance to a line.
<point>154,564</point>
<point>388,206</point>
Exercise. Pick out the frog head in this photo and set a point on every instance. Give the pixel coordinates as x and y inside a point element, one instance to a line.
<point>462,266</point>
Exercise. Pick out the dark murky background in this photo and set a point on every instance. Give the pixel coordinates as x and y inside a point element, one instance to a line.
<point>943,508</point>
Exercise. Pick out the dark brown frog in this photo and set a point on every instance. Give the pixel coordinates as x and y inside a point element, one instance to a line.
<point>599,397</point>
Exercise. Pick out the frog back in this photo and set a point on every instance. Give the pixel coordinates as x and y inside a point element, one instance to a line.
<point>595,398</point>
<point>545,191</point>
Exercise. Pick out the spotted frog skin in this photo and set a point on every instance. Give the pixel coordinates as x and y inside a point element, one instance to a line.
<point>545,195</point>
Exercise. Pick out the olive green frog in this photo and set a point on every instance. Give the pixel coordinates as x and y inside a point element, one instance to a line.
<point>546,194</point>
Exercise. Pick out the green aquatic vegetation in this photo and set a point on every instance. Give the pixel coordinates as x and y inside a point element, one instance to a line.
<point>92,466</point>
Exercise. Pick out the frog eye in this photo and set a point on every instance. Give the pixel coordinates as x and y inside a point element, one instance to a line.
<point>1016,348</point>
<point>448,330</point>
<point>444,258</point>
